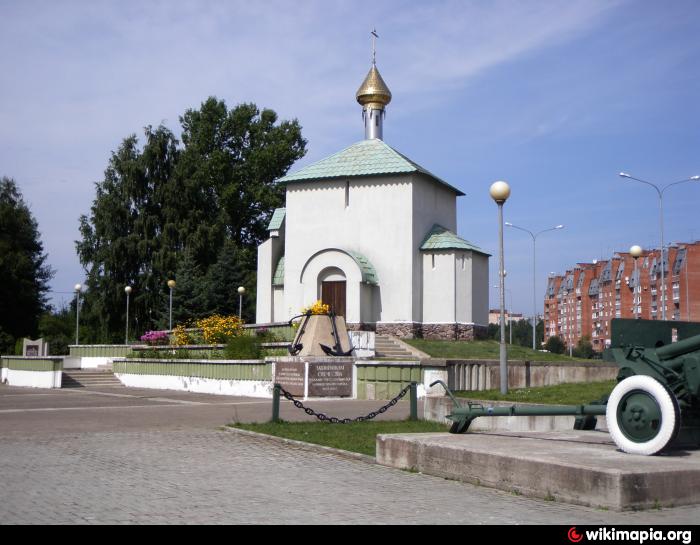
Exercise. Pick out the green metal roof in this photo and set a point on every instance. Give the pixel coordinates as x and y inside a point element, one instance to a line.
<point>278,278</point>
<point>369,273</point>
<point>365,158</point>
<point>277,219</point>
<point>439,238</point>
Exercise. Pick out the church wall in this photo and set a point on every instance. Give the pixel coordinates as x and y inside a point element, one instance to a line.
<point>263,306</point>
<point>438,287</point>
<point>463,288</point>
<point>376,223</point>
<point>269,253</point>
<point>480,289</point>
<point>278,313</point>
<point>432,203</point>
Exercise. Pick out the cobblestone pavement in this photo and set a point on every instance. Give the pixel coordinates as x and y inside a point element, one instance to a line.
<point>196,474</point>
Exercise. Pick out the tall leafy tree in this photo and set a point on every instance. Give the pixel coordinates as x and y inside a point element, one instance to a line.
<point>189,295</point>
<point>223,280</point>
<point>207,201</point>
<point>24,272</point>
<point>233,157</point>
<point>123,240</point>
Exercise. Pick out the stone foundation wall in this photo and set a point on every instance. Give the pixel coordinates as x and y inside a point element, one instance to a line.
<point>403,330</point>
<point>453,332</point>
<point>417,330</point>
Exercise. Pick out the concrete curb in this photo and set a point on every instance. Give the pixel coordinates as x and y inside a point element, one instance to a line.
<point>306,446</point>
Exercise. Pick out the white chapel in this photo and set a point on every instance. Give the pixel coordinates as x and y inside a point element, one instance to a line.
<point>373,234</point>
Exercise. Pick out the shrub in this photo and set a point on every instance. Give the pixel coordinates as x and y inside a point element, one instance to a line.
<point>584,348</point>
<point>244,347</point>
<point>181,336</point>
<point>219,329</point>
<point>155,338</point>
<point>555,345</point>
<point>264,335</point>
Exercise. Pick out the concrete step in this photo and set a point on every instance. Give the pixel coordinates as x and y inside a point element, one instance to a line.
<point>581,467</point>
<point>83,379</point>
<point>386,347</point>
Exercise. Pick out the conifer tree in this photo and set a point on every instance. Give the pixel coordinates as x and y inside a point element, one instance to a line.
<point>24,273</point>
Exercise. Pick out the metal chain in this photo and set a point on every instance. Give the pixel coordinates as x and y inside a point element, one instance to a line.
<point>333,420</point>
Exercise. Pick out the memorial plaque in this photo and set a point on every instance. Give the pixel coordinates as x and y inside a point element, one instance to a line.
<point>330,379</point>
<point>35,348</point>
<point>290,375</point>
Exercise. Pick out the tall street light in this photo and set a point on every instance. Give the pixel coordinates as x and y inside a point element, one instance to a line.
<point>636,253</point>
<point>241,291</point>
<point>77,289</point>
<point>171,286</point>
<point>127,290</point>
<point>660,192</point>
<point>500,191</point>
<point>534,276</point>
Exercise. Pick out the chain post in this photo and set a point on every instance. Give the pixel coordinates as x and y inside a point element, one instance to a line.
<point>414,401</point>
<point>333,420</point>
<point>276,403</point>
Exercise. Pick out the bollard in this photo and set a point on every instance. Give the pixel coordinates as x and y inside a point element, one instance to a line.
<point>414,401</point>
<point>276,404</point>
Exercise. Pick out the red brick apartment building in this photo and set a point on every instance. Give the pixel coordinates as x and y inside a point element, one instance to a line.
<point>584,300</point>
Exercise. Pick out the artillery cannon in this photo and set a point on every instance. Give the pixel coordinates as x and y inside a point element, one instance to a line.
<point>656,402</point>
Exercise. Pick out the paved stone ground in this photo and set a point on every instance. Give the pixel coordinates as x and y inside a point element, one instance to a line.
<point>156,458</point>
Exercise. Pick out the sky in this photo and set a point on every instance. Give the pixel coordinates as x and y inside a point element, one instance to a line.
<point>556,97</point>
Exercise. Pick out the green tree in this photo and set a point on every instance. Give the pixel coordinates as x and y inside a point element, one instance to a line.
<point>124,240</point>
<point>555,345</point>
<point>58,329</point>
<point>584,348</point>
<point>223,280</point>
<point>24,272</point>
<point>158,204</point>
<point>234,157</point>
<point>189,295</point>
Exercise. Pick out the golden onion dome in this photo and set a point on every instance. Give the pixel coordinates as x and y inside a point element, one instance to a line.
<point>373,93</point>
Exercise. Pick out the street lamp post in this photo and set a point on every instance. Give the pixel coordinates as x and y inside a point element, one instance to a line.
<point>534,273</point>
<point>500,191</point>
<point>77,289</point>
<point>660,193</point>
<point>171,286</point>
<point>127,290</point>
<point>241,291</point>
<point>636,252</point>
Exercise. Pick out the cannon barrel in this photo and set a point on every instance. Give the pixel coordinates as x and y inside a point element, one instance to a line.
<point>691,344</point>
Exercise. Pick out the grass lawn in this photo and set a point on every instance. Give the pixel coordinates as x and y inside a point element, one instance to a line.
<point>489,350</point>
<point>356,437</point>
<point>562,394</point>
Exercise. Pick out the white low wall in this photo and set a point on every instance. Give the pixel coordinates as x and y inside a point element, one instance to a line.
<point>3,375</point>
<point>33,379</point>
<point>363,343</point>
<point>91,362</point>
<point>247,388</point>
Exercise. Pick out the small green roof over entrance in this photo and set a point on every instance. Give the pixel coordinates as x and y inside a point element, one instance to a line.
<point>439,238</point>
<point>365,158</point>
<point>277,219</point>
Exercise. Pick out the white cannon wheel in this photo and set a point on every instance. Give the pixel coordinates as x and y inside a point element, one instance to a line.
<point>643,415</point>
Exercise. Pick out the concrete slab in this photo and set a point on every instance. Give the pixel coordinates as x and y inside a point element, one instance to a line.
<point>580,467</point>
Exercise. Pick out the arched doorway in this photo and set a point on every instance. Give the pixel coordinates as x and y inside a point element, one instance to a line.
<point>333,290</point>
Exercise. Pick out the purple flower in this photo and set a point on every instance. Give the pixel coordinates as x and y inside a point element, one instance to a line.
<point>155,337</point>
